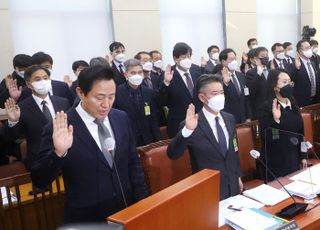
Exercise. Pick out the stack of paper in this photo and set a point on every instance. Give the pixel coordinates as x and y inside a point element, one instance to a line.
<point>4,196</point>
<point>310,175</point>
<point>234,203</point>
<point>303,189</point>
<point>266,194</point>
<point>253,219</point>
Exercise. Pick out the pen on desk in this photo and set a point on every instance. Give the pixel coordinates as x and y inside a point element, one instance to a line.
<point>235,209</point>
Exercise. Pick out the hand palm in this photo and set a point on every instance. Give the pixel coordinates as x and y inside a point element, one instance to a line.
<point>62,140</point>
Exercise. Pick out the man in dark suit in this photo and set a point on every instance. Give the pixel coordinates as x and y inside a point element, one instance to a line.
<point>278,62</point>
<point>315,56</point>
<point>235,89</point>
<point>256,79</point>
<point>137,101</point>
<point>177,90</point>
<point>252,43</point>
<point>210,137</point>
<point>20,63</point>
<point>213,53</point>
<point>88,144</point>
<point>33,113</point>
<point>305,77</point>
<point>77,67</point>
<point>117,51</point>
<point>156,58</point>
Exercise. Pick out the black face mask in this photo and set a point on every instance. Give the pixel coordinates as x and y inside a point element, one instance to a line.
<point>264,61</point>
<point>286,91</point>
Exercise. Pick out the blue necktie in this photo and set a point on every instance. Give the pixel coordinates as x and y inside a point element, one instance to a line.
<point>221,137</point>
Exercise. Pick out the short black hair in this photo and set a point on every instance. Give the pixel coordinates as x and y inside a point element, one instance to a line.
<point>31,69</point>
<point>212,47</point>
<point>313,42</point>
<point>273,47</point>
<point>91,74</point>
<point>251,40</point>
<point>41,57</point>
<point>154,52</point>
<point>181,48</point>
<point>224,54</point>
<point>138,55</point>
<point>205,79</point>
<point>286,44</point>
<point>258,50</point>
<point>115,45</point>
<point>77,64</point>
<point>21,61</point>
<point>299,44</point>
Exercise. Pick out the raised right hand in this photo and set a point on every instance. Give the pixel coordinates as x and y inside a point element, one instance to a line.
<point>13,110</point>
<point>297,61</point>
<point>62,134</point>
<point>191,118</point>
<point>226,75</point>
<point>13,89</point>
<point>168,74</point>
<point>276,112</point>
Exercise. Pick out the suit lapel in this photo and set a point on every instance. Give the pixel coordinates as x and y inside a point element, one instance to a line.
<point>229,128</point>
<point>34,108</point>
<point>181,82</point>
<point>112,120</point>
<point>206,129</point>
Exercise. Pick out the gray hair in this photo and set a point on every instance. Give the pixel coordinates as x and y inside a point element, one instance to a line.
<point>206,79</point>
<point>99,61</point>
<point>131,63</point>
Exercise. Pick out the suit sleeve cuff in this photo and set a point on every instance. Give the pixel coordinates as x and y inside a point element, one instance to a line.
<point>186,132</point>
<point>12,123</point>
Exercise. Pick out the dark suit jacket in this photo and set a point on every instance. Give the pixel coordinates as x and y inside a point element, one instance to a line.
<point>177,98</point>
<point>120,78</point>
<point>31,124</point>
<point>92,188</point>
<point>316,60</point>
<point>144,127</point>
<point>209,67</point>
<point>237,105</point>
<point>4,93</point>
<point>302,86</point>
<point>257,90</point>
<point>205,152</point>
<point>59,88</point>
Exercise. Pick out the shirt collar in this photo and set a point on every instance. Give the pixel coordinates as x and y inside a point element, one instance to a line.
<point>39,99</point>
<point>285,105</point>
<point>182,72</point>
<point>305,61</point>
<point>85,116</point>
<point>210,116</point>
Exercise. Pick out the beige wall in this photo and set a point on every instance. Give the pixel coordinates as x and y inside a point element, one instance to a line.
<point>137,25</point>
<point>240,24</point>
<point>6,46</point>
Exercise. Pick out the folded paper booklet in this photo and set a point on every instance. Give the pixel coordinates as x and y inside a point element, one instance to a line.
<point>253,219</point>
<point>266,194</point>
<point>303,189</point>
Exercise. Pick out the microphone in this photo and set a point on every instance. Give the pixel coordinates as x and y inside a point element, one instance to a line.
<point>109,145</point>
<point>293,209</point>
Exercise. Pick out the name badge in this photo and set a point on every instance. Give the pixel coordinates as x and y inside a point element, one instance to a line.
<point>147,110</point>
<point>235,144</point>
<point>246,91</point>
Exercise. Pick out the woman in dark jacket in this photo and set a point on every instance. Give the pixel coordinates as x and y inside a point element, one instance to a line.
<point>281,127</point>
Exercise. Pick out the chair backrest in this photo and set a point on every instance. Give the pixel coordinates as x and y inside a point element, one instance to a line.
<point>163,133</point>
<point>245,144</point>
<point>160,171</point>
<point>314,110</point>
<point>19,210</point>
<point>308,126</point>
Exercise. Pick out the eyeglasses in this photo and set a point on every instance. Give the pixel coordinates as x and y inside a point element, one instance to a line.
<point>284,83</point>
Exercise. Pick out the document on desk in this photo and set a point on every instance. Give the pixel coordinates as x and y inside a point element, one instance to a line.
<point>303,189</point>
<point>235,204</point>
<point>4,196</point>
<point>253,219</point>
<point>266,194</point>
<point>310,175</point>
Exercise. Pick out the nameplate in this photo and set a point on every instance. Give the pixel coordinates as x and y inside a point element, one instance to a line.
<point>292,225</point>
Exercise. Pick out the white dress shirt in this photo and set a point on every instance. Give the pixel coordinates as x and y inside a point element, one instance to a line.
<point>305,62</point>
<point>117,65</point>
<point>211,118</point>
<point>49,104</point>
<point>184,78</point>
<point>91,126</point>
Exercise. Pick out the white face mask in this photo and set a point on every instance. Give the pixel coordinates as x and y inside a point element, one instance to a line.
<point>315,50</point>
<point>147,66</point>
<point>215,56</point>
<point>42,87</point>
<point>120,57</point>
<point>216,103</point>
<point>135,79</point>
<point>254,46</point>
<point>186,63</point>
<point>158,64</point>
<point>291,54</point>
<point>233,66</point>
<point>308,53</point>
<point>20,73</point>
<point>281,56</point>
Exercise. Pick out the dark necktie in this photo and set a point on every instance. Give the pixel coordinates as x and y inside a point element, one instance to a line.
<point>104,133</point>
<point>189,83</point>
<point>235,83</point>
<point>121,70</point>
<point>148,82</point>
<point>46,111</point>
<point>281,65</point>
<point>312,79</point>
<point>221,137</point>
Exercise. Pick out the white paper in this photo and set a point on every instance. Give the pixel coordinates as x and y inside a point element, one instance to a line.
<point>5,197</point>
<point>303,189</point>
<point>310,175</point>
<point>238,202</point>
<point>266,194</point>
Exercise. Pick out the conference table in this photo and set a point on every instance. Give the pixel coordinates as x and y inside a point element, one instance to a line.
<point>308,220</point>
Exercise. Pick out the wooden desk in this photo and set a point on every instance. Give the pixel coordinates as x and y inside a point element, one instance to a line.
<point>309,220</point>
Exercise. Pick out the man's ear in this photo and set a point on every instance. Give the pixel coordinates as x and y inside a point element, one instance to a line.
<point>79,92</point>
<point>202,98</point>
